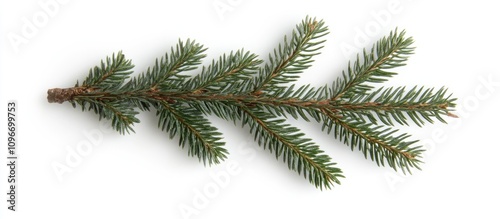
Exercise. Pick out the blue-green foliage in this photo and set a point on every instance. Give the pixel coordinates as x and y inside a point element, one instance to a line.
<point>239,88</point>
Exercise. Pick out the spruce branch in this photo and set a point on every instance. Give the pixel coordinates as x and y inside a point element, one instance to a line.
<point>225,75</point>
<point>194,130</point>
<point>291,57</point>
<point>164,75</point>
<point>376,141</point>
<point>110,75</point>
<point>301,154</point>
<point>387,104</point>
<point>238,87</point>
<point>389,52</point>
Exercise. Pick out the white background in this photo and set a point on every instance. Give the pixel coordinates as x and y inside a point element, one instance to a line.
<point>146,175</point>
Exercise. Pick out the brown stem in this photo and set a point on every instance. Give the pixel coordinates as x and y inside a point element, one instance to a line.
<point>60,95</point>
<point>67,94</point>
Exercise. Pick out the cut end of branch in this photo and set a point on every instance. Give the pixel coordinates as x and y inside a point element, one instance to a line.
<point>60,95</point>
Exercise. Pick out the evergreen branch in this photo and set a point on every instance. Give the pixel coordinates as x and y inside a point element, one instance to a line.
<point>227,74</point>
<point>388,104</point>
<point>111,74</point>
<point>204,140</point>
<point>121,113</point>
<point>229,88</point>
<point>376,141</point>
<point>164,74</point>
<point>389,52</point>
<point>292,57</point>
<point>301,154</point>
